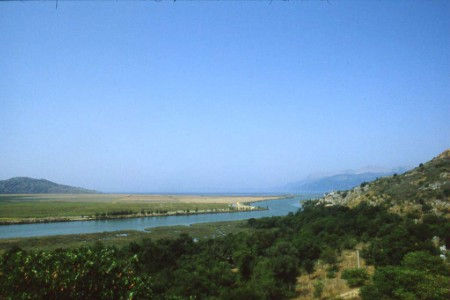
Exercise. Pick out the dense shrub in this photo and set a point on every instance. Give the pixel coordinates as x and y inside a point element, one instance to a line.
<point>263,264</point>
<point>318,289</point>
<point>420,276</point>
<point>80,273</point>
<point>355,277</point>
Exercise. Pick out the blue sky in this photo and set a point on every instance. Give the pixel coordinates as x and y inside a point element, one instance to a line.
<point>216,96</point>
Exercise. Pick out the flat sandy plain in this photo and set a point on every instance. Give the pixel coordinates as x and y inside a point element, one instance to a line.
<point>33,208</point>
<point>138,198</point>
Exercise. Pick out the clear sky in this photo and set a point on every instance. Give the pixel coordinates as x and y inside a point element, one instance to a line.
<point>219,96</point>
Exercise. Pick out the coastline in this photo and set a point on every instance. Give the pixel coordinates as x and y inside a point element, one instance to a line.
<point>238,206</point>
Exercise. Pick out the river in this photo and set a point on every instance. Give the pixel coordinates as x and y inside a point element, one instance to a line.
<point>277,207</point>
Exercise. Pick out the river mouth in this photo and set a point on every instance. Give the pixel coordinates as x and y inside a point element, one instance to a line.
<point>278,207</point>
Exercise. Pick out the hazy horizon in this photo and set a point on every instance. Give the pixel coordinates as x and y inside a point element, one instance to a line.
<point>279,189</point>
<point>220,97</point>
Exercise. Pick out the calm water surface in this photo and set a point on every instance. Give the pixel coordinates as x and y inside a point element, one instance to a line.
<point>275,208</point>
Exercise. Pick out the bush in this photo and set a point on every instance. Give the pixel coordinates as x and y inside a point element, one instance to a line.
<point>88,273</point>
<point>318,289</point>
<point>260,264</point>
<point>329,256</point>
<point>331,271</point>
<point>409,281</point>
<point>424,261</point>
<point>355,277</point>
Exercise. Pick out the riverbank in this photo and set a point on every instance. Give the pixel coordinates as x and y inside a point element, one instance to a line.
<point>239,207</point>
<point>277,207</point>
<point>124,237</point>
<point>48,208</point>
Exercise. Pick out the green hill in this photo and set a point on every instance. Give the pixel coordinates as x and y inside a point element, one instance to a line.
<point>421,190</point>
<point>26,185</point>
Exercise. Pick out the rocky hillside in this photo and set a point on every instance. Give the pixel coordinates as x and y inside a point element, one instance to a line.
<point>342,181</point>
<point>26,185</point>
<point>418,191</point>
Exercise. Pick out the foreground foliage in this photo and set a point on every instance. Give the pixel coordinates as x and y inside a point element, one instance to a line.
<point>262,264</point>
<point>355,277</point>
<point>420,276</point>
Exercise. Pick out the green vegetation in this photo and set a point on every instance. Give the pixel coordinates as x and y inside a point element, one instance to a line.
<point>415,193</point>
<point>261,259</point>
<point>418,191</point>
<point>355,277</point>
<point>123,238</point>
<point>116,238</point>
<point>26,211</point>
<point>419,276</point>
<point>26,185</point>
<point>261,262</point>
<point>71,207</point>
<point>318,289</point>
<point>98,272</point>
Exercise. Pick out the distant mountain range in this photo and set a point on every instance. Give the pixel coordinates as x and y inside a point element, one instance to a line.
<point>26,185</point>
<point>343,181</point>
<point>419,191</point>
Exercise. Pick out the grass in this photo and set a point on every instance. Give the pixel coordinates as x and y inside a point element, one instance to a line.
<point>122,238</point>
<point>65,207</point>
<point>31,209</point>
<point>333,288</point>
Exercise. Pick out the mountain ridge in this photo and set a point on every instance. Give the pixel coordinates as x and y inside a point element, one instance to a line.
<point>28,185</point>
<point>341,181</point>
<point>418,191</point>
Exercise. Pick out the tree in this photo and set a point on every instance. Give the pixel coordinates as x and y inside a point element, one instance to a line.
<point>329,256</point>
<point>264,279</point>
<point>411,280</point>
<point>309,266</point>
<point>355,277</point>
<point>424,261</point>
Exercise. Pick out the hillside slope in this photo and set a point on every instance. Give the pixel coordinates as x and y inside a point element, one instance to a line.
<point>418,191</point>
<point>342,181</point>
<point>26,185</point>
